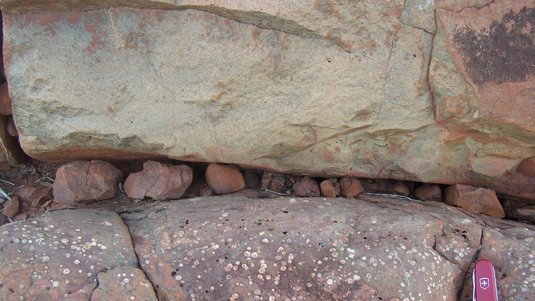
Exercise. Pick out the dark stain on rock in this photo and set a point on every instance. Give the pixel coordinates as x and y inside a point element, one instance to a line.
<point>506,53</point>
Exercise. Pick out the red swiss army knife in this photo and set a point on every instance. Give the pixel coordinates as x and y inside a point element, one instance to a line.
<point>484,280</point>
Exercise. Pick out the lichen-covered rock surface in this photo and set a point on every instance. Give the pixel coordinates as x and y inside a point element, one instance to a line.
<point>432,91</point>
<point>59,255</point>
<point>235,248</point>
<point>369,248</point>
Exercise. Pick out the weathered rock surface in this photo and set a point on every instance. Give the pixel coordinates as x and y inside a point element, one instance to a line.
<point>371,88</point>
<point>306,186</point>
<point>123,283</point>
<point>429,192</point>
<point>59,255</point>
<point>82,181</point>
<point>159,181</point>
<point>513,248</point>
<point>330,188</point>
<point>219,248</point>
<point>33,195</point>
<point>474,199</point>
<point>350,187</point>
<point>223,179</point>
<point>368,248</point>
<point>11,207</point>
<point>527,167</point>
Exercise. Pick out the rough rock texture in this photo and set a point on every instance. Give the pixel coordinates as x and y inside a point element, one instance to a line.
<point>330,188</point>
<point>159,181</point>
<point>429,192</point>
<point>33,195</point>
<point>221,248</point>
<point>81,181</point>
<point>59,255</point>
<point>513,248</point>
<point>350,187</point>
<point>11,207</point>
<point>527,167</point>
<point>306,186</point>
<point>123,283</point>
<point>369,248</point>
<point>223,179</point>
<point>474,199</point>
<point>357,88</point>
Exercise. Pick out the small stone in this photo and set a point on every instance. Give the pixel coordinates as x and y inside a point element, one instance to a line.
<point>306,187</point>
<point>11,207</point>
<point>34,195</point>
<point>81,181</point>
<point>429,192</point>
<point>159,181</point>
<point>5,101</point>
<point>330,188</point>
<point>527,167</point>
<point>11,128</point>
<point>223,179</point>
<point>475,200</point>
<point>21,217</point>
<point>350,187</point>
<point>401,188</point>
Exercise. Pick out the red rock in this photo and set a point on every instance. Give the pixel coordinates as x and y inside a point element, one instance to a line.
<point>306,187</point>
<point>11,207</point>
<point>224,179</point>
<point>527,167</point>
<point>81,181</point>
<point>475,200</point>
<point>159,181</point>
<point>401,188</point>
<point>429,192</point>
<point>330,188</point>
<point>10,127</point>
<point>5,101</point>
<point>350,187</point>
<point>20,217</point>
<point>34,195</point>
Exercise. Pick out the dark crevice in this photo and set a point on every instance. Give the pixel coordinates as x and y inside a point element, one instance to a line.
<point>467,276</point>
<point>139,266</point>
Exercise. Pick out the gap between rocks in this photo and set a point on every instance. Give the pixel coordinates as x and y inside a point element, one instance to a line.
<point>139,266</point>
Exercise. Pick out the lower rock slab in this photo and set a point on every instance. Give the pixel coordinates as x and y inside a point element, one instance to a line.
<point>236,248</point>
<point>372,248</point>
<point>59,255</point>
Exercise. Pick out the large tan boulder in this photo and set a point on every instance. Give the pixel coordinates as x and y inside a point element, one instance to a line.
<point>380,89</point>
